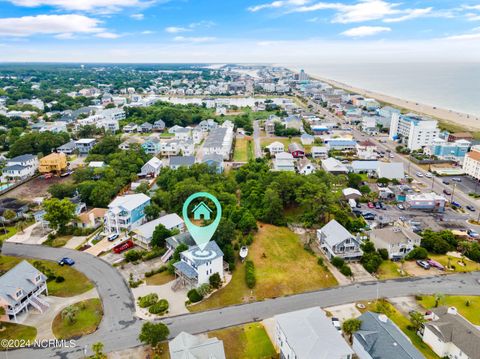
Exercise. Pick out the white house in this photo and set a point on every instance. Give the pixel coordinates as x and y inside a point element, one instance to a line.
<point>185,346</point>
<point>334,166</point>
<point>20,288</point>
<point>219,141</point>
<point>152,167</point>
<point>284,162</point>
<point>471,163</point>
<point>398,241</point>
<point>126,212</point>
<point>391,170</point>
<point>196,266</point>
<point>414,131</point>
<point>276,147</point>
<point>335,241</point>
<point>170,221</point>
<point>366,150</point>
<point>305,167</point>
<point>450,335</point>
<point>319,152</point>
<point>20,168</point>
<point>84,145</point>
<point>309,334</point>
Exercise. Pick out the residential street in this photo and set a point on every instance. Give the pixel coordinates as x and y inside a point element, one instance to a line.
<point>119,328</point>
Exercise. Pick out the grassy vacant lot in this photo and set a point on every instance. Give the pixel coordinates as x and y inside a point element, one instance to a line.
<point>17,331</point>
<point>75,282</point>
<point>383,306</point>
<point>388,270</point>
<point>243,149</point>
<point>471,311</point>
<point>57,242</point>
<point>159,278</point>
<point>443,259</point>
<point>282,267</point>
<point>248,341</point>
<point>88,318</point>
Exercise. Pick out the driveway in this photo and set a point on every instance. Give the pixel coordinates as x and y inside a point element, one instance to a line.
<point>360,274</point>
<point>104,245</point>
<point>35,234</point>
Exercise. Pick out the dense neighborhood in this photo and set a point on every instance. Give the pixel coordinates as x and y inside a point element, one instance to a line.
<point>322,190</point>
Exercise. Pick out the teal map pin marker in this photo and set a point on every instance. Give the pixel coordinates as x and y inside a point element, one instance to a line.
<point>202,235</point>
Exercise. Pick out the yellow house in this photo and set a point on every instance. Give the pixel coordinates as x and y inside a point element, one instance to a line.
<point>54,162</point>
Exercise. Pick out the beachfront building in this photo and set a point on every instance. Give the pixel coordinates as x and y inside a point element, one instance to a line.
<point>414,131</point>
<point>454,151</point>
<point>471,164</point>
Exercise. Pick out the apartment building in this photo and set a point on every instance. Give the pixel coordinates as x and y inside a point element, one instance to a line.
<point>414,131</point>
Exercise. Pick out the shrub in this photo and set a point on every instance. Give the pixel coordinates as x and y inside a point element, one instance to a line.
<point>371,261</point>
<point>156,271</point>
<point>346,271</point>
<point>194,296</point>
<point>338,262</point>
<point>159,307</point>
<point>204,289</point>
<point>59,279</point>
<point>383,253</point>
<point>417,253</point>
<point>133,255</point>
<point>320,261</point>
<point>147,300</point>
<point>215,280</point>
<point>250,274</point>
<point>154,253</point>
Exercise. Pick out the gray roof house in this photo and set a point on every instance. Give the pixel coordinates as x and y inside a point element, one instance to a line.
<point>170,221</point>
<point>450,335</point>
<point>336,241</point>
<point>68,148</point>
<point>392,170</point>
<point>20,288</point>
<point>146,127</point>
<point>398,241</point>
<point>159,125</point>
<point>309,334</point>
<point>379,337</point>
<point>187,346</point>
<point>176,162</point>
<point>334,166</point>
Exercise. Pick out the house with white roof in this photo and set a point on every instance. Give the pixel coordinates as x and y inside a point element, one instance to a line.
<point>126,212</point>
<point>398,241</point>
<point>196,266</point>
<point>319,152</point>
<point>391,170</point>
<point>306,139</point>
<point>366,150</point>
<point>20,168</point>
<point>276,147</point>
<point>283,162</point>
<point>144,232</point>
<point>185,346</point>
<point>335,241</point>
<point>334,166</point>
<point>152,167</point>
<point>20,288</point>
<point>309,334</point>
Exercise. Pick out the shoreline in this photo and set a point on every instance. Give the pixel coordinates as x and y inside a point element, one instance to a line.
<point>445,116</point>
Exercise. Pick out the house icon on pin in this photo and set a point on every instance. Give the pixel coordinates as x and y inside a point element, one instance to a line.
<point>201,210</point>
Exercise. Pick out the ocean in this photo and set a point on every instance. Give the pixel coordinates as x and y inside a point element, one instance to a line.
<point>453,86</point>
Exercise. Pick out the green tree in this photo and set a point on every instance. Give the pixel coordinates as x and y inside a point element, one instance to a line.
<point>70,313</point>
<point>416,319</point>
<point>350,326</point>
<point>160,234</point>
<point>97,349</point>
<point>153,333</point>
<point>215,280</point>
<point>439,297</point>
<point>58,212</point>
<point>152,211</point>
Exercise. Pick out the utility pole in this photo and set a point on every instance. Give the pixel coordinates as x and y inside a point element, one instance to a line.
<point>453,192</point>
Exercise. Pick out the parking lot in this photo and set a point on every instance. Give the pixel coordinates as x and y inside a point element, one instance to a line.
<point>467,184</point>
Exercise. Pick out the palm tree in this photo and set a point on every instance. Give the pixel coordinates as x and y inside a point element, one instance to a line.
<point>351,326</point>
<point>70,313</point>
<point>98,351</point>
<point>438,298</point>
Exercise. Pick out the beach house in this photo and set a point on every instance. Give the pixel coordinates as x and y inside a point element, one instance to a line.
<point>335,241</point>
<point>126,212</point>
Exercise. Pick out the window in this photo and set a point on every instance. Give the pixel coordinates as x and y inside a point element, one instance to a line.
<point>18,294</point>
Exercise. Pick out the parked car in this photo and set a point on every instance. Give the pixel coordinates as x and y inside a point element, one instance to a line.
<point>400,206</point>
<point>378,205</point>
<point>358,205</point>
<point>470,208</point>
<point>419,174</point>
<point>447,192</point>
<point>370,205</point>
<point>456,204</point>
<point>368,216</point>
<point>472,233</point>
<point>112,237</point>
<point>456,179</point>
<point>428,175</point>
<point>336,324</point>
<point>357,211</point>
<point>119,248</point>
<point>423,264</point>
<point>446,182</point>
<point>435,264</point>
<point>66,260</point>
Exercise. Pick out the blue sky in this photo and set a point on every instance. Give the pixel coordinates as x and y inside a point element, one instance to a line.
<point>281,31</point>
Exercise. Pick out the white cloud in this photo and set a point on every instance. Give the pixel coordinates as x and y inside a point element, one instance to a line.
<point>195,39</point>
<point>472,16</point>
<point>137,16</point>
<point>49,24</point>
<point>147,32</point>
<point>363,31</point>
<point>277,4</point>
<point>176,29</point>
<point>473,35</point>
<point>107,35</point>
<point>411,14</point>
<point>84,5</point>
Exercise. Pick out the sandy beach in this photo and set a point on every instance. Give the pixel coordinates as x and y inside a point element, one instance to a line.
<point>465,121</point>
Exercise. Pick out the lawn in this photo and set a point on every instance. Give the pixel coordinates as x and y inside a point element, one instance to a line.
<point>247,341</point>
<point>17,331</point>
<point>159,278</point>
<point>57,241</point>
<point>243,149</point>
<point>282,267</point>
<point>388,270</point>
<point>11,230</point>
<point>87,319</point>
<point>75,282</point>
<point>470,311</point>
<point>383,306</point>
<point>443,259</point>
<point>285,140</point>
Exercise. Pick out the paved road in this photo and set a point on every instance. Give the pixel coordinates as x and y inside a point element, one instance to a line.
<point>119,329</point>
<point>256,139</point>
<point>118,301</point>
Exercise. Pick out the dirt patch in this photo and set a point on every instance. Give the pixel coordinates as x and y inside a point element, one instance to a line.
<point>37,187</point>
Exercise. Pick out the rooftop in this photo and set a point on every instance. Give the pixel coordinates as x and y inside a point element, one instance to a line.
<point>19,277</point>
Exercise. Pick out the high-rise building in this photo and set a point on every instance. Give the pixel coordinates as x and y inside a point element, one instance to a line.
<point>414,131</point>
